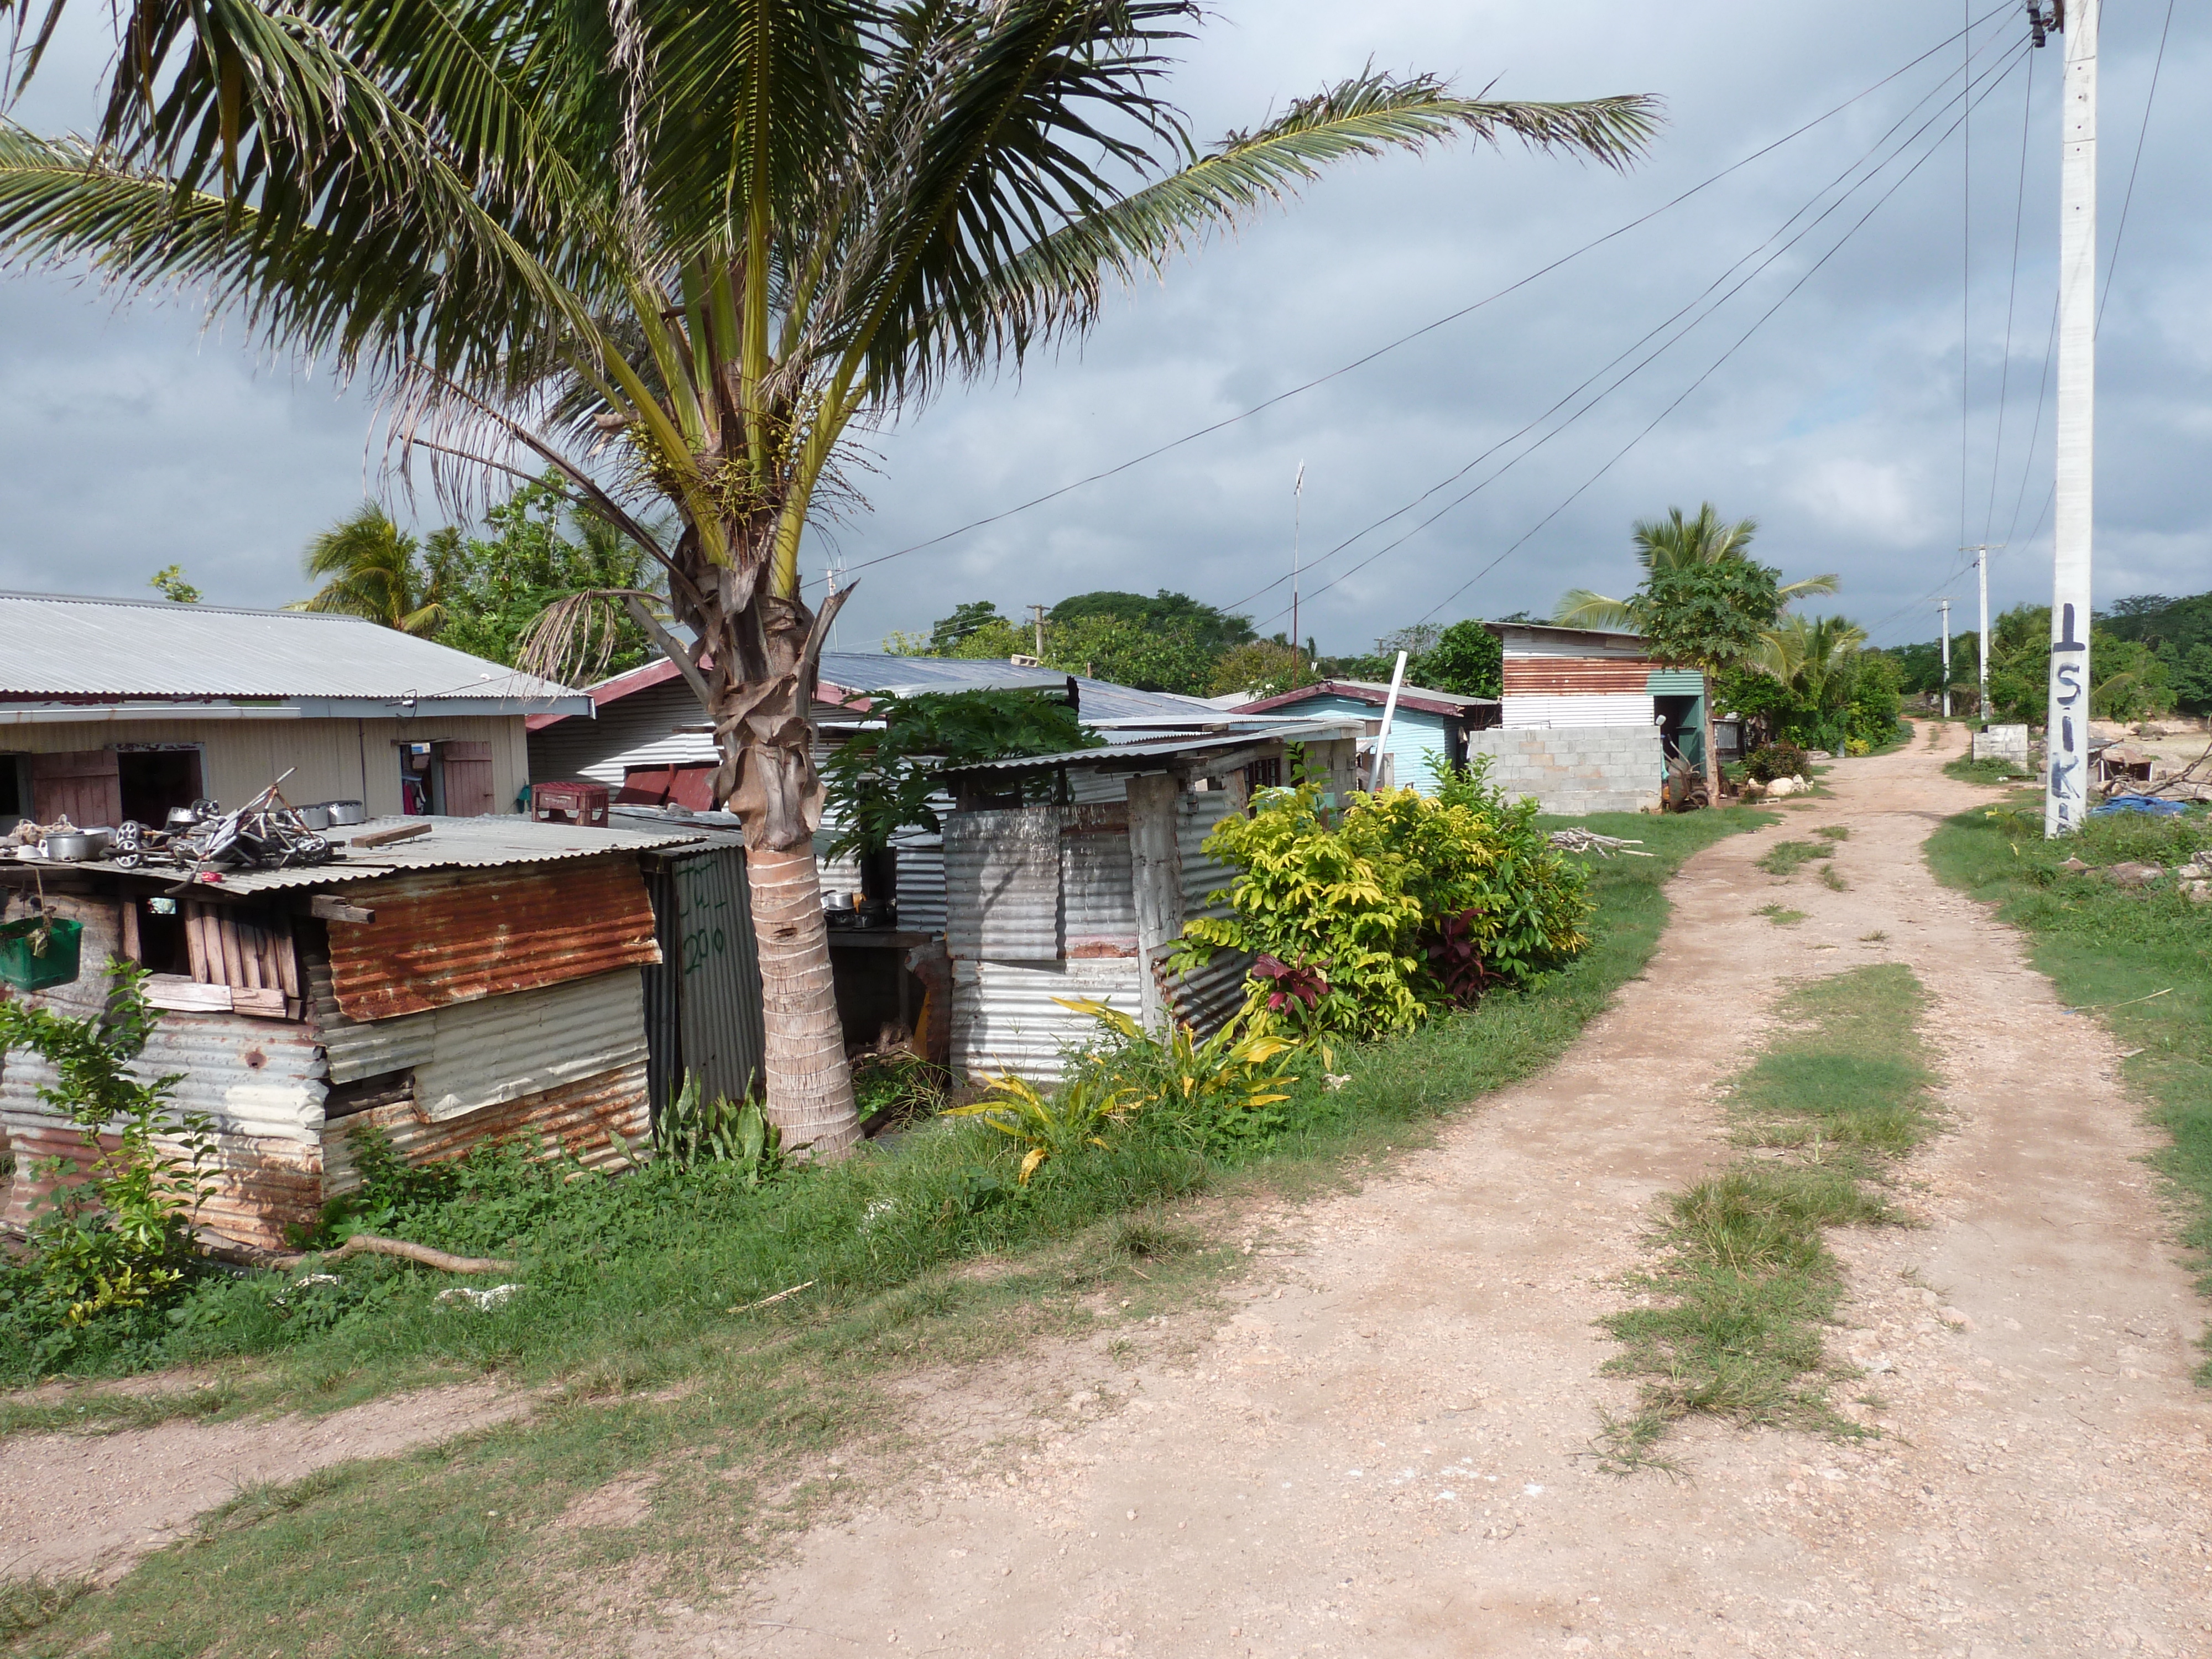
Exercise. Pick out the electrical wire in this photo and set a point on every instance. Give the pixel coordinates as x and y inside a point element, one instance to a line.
<point>1426,328</point>
<point>1996,75</point>
<point>2012,293</point>
<point>2157,66</point>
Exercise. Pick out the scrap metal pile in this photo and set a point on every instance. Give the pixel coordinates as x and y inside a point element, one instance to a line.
<point>268,832</point>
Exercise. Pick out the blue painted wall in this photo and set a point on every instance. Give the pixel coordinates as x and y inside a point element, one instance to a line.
<point>1413,734</point>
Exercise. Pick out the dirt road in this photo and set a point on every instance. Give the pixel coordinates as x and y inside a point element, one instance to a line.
<point>1384,1451</point>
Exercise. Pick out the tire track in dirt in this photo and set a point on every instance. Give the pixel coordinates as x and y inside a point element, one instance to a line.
<point>1385,1449</point>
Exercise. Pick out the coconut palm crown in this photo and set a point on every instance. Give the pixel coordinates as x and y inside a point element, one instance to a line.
<point>680,251</point>
<point>368,567</point>
<point>1676,540</point>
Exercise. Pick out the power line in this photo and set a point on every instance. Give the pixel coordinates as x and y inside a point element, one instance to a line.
<point>2012,293</point>
<point>1426,328</point>
<point>1626,352</point>
<point>1997,71</point>
<point>2141,133</point>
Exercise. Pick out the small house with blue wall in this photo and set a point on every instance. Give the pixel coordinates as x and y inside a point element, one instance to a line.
<point>1426,723</point>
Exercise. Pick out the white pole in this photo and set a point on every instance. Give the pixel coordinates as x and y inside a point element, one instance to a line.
<point>1390,712</point>
<point>1944,606</point>
<point>1982,639</point>
<point>2066,791</point>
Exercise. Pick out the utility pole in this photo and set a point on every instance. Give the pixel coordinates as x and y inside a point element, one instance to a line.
<point>1982,641</point>
<point>1944,606</point>
<point>2066,735</point>
<point>1037,611</point>
<point>1298,506</point>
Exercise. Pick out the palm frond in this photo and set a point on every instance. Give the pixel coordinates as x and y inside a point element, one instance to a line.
<point>1578,607</point>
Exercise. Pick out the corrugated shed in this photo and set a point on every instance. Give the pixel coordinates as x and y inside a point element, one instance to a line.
<point>1097,897</point>
<point>1002,885</point>
<point>1576,676</point>
<point>442,939</point>
<point>718,962</point>
<point>1579,709</point>
<point>1005,1017</point>
<point>361,1048</point>
<point>922,898</point>
<point>1675,682</point>
<point>496,1049</point>
<point>580,1117</point>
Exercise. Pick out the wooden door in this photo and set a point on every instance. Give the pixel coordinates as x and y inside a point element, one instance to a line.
<point>467,771</point>
<point>84,785</point>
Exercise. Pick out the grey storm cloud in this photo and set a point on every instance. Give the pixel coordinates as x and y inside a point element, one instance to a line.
<point>137,440</point>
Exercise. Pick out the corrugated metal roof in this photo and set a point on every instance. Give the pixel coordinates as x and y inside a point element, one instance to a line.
<point>500,1049</point>
<point>446,939</point>
<point>55,646</point>
<point>492,843</point>
<point>1161,749</point>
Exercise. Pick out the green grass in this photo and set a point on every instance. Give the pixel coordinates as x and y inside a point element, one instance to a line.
<point>1832,831</point>
<point>1731,1324</point>
<point>1785,858</point>
<point>1991,771</point>
<point>725,1422</point>
<point>32,1604</point>
<point>2141,960</point>
<point>1780,915</point>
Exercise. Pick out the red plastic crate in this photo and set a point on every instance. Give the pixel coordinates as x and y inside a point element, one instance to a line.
<point>568,803</point>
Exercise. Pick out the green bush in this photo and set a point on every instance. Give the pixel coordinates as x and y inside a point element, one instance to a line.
<point>112,1246</point>
<point>1387,901</point>
<point>1775,760</point>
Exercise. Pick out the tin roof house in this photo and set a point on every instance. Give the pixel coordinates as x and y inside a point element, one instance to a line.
<point>1427,726</point>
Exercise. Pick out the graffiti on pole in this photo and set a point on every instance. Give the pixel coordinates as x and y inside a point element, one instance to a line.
<point>2067,792</point>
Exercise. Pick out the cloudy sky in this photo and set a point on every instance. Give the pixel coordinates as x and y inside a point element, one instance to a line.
<point>138,439</point>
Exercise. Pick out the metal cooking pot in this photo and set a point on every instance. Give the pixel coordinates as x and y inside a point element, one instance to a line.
<point>344,811</point>
<point>315,817</point>
<point>72,845</point>
<point>182,817</point>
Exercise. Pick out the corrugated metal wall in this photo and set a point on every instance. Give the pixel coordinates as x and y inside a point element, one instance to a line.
<point>580,747</point>
<point>1005,1017</point>
<point>1578,709</point>
<point>1002,883</point>
<point>438,940</point>
<point>496,1049</point>
<point>360,1049</point>
<point>578,1116</point>
<point>718,964</point>
<point>1097,896</point>
<point>1580,675</point>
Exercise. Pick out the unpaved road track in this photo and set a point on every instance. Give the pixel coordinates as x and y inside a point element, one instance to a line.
<point>1384,1451</point>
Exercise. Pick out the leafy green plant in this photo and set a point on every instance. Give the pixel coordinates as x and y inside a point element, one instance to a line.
<point>1223,1090</point>
<point>1386,906</point>
<point>113,1234</point>
<point>880,779</point>
<point>1775,760</point>
<point>1060,1124</point>
<point>695,1129</point>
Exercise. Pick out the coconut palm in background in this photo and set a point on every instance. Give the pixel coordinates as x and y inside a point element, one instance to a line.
<point>678,250</point>
<point>368,567</point>
<point>1814,657</point>
<point>1669,543</point>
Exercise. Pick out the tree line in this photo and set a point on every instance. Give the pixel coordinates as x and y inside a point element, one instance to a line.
<point>2150,654</point>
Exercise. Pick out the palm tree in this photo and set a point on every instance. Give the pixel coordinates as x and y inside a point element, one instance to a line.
<point>677,250</point>
<point>1671,543</point>
<point>1809,654</point>
<point>368,567</point>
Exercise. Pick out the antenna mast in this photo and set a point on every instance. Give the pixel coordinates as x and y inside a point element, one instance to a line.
<point>1297,508</point>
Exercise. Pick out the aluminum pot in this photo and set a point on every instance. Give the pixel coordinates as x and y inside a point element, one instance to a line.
<point>315,817</point>
<point>72,845</point>
<point>344,811</point>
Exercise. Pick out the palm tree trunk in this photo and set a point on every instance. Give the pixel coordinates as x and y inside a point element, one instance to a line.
<point>810,1088</point>
<point>1712,754</point>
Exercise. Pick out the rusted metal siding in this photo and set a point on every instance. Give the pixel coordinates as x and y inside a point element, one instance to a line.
<point>578,1117</point>
<point>260,1083</point>
<point>361,1048</point>
<point>1005,1017</point>
<point>1002,885</point>
<point>442,939</point>
<point>1098,899</point>
<point>497,1050</point>
<point>1576,676</point>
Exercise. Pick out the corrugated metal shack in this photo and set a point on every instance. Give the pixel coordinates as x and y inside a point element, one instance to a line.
<point>479,981</point>
<point>1080,896</point>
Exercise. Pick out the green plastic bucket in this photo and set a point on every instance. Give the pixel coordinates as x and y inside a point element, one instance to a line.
<point>26,966</point>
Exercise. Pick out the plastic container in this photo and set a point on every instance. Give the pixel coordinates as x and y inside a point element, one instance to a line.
<point>25,968</point>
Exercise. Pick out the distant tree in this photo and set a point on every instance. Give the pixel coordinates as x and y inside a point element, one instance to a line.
<point>1265,668</point>
<point>947,634</point>
<point>1672,543</point>
<point>1710,615</point>
<point>1466,659</point>
<point>368,567</point>
<point>1213,630</point>
<point>170,581</point>
<point>2192,680</point>
<point>2128,679</point>
<point>1151,659</point>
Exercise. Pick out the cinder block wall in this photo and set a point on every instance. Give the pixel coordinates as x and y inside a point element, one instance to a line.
<point>1574,769</point>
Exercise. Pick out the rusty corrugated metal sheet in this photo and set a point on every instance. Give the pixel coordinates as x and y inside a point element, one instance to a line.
<point>495,1049</point>
<point>578,1116</point>
<point>447,939</point>
<point>260,1083</point>
<point>1005,1017</point>
<point>1097,896</point>
<point>359,1049</point>
<point>1533,676</point>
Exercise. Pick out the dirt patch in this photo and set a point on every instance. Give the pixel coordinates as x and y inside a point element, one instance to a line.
<point>618,1504</point>
<point>88,1505</point>
<point>1384,1444</point>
